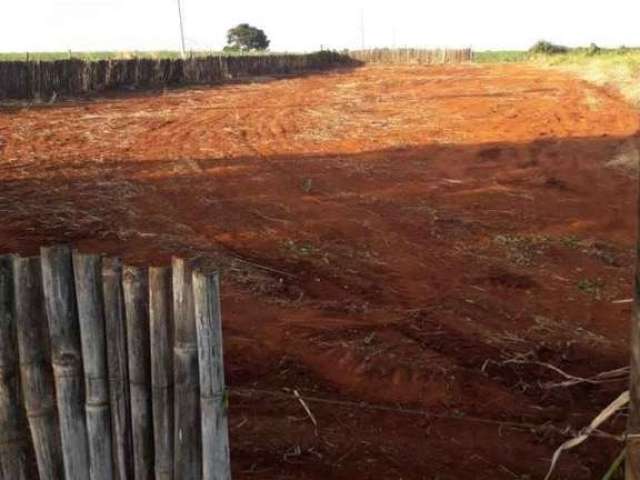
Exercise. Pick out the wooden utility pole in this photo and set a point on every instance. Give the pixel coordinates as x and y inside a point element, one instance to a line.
<point>182,47</point>
<point>362,42</point>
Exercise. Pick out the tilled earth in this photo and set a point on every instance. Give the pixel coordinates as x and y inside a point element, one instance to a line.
<point>411,247</point>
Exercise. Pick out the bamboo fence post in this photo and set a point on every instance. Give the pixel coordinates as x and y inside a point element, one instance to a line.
<point>632,464</point>
<point>35,368</point>
<point>14,452</point>
<point>136,299</point>
<point>161,334</point>
<point>60,302</point>
<point>118,368</point>
<point>87,273</point>
<point>213,398</point>
<point>187,439</point>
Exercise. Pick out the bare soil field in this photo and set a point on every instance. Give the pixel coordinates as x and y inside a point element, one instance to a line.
<point>404,243</point>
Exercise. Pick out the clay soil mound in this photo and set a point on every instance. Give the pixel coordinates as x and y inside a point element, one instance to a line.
<point>402,243</point>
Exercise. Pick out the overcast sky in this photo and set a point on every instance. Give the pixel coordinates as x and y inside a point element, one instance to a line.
<point>299,25</point>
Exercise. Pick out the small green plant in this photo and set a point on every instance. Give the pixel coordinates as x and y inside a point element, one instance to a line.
<point>616,470</point>
<point>547,48</point>
<point>591,287</point>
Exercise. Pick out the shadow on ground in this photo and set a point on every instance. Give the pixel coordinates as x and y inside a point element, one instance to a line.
<point>403,278</point>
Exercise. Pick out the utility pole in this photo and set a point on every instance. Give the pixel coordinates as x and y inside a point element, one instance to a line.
<point>362,28</point>
<point>182,48</point>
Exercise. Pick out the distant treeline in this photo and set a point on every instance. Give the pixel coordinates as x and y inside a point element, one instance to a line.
<point>560,53</point>
<point>42,80</point>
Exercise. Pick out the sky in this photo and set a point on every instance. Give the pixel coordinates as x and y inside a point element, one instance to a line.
<point>299,25</point>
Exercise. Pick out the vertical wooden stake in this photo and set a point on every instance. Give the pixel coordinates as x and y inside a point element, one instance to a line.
<point>88,281</point>
<point>632,463</point>
<point>136,300</point>
<point>161,319</point>
<point>118,368</point>
<point>187,437</point>
<point>60,302</point>
<point>35,368</point>
<point>14,451</point>
<point>213,398</point>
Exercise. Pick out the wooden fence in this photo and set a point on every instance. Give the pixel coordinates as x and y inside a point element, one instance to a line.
<point>41,80</point>
<point>110,371</point>
<point>412,56</point>
<point>44,80</point>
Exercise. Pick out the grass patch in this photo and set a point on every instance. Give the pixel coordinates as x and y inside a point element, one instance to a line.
<point>571,241</point>
<point>522,249</point>
<point>501,56</point>
<point>615,67</point>
<point>618,68</point>
<point>591,286</point>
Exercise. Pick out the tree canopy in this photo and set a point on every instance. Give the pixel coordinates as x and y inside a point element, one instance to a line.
<point>247,37</point>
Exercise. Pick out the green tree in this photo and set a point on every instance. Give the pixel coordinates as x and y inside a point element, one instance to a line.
<point>547,48</point>
<point>246,37</point>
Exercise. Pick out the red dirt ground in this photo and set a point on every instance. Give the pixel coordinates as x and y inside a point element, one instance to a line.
<point>388,237</point>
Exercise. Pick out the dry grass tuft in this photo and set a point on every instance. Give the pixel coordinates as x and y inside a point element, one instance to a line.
<point>627,158</point>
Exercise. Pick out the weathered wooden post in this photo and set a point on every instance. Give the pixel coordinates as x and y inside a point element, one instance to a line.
<point>35,368</point>
<point>14,451</point>
<point>136,300</point>
<point>633,426</point>
<point>187,443</point>
<point>117,360</point>
<point>213,397</point>
<point>88,280</point>
<point>64,331</point>
<point>161,320</point>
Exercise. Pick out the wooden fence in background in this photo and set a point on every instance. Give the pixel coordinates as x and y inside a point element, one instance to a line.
<point>110,371</point>
<point>40,80</point>
<point>412,56</point>
<point>44,80</point>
